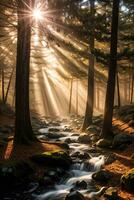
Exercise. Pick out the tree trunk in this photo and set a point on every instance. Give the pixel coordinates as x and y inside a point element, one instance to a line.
<point>90,92</point>
<point>77,96</point>
<point>109,103</point>
<point>9,83</point>
<point>3,84</point>
<point>132,88</point>
<point>118,91</point>
<point>70,98</point>
<point>23,128</point>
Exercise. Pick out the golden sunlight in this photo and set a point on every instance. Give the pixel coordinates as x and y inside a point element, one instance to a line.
<point>37,14</point>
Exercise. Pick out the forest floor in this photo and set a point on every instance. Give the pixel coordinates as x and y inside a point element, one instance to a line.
<point>123,163</point>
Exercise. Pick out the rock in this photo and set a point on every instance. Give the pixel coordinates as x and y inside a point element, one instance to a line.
<point>46,181</point>
<point>67,129</point>
<point>63,145</point>
<point>84,138</point>
<point>93,129</point>
<point>56,158</point>
<point>94,137</point>
<point>111,194</point>
<point>81,185</point>
<point>54,129</point>
<point>74,195</point>
<point>121,139</point>
<point>68,140</point>
<point>98,120</point>
<point>104,143</point>
<point>127,181</point>
<point>102,176</point>
<point>84,155</point>
<point>54,135</point>
<point>110,159</point>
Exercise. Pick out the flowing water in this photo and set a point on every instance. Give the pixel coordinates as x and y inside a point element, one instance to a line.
<point>80,170</point>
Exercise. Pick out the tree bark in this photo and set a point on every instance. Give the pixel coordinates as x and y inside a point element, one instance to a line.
<point>70,98</point>
<point>118,90</point>
<point>3,84</point>
<point>8,87</point>
<point>109,102</point>
<point>90,92</point>
<point>132,88</point>
<point>23,128</point>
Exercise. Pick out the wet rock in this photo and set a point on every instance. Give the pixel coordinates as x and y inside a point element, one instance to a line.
<point>68,140</point>
<point>102,176</point>
<point>122,139</point>
<point>110,159</point>
<point>111,194</point>
<point>67,129</point>
<point>74,195</point>
<point>54,135</point>
<point>75,134</point>
<point>56,158</point>
<point>84,138</point>
<point>104,143</point>
<point>127,180</point>
<point>54,129</point>
<point>81,185</point>
<point>84,155</point>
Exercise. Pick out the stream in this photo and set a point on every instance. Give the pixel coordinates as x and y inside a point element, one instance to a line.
<point>79,176</point>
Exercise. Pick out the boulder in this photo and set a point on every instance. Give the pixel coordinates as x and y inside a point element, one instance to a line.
<point>102,176</point>
<point>84,138</point>
<point>56,158</point>
<point>74,195</point>
<point>104,143</point>
<point>127,181</point>
<point>111,194</point>
<point>122,139</point>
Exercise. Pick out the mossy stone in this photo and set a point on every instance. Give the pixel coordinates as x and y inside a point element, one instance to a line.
<point>56,158</point>
<point>127,181</point>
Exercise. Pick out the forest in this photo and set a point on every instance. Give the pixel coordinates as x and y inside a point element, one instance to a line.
<point>66,100</point>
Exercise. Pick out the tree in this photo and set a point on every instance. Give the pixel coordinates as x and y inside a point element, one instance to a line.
<point>109,102</point>
<point>23,128</point>
<point>90,92</point>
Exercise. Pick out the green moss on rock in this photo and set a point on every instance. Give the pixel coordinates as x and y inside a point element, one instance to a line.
<point>127,181</point>
<point>56,157</point>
